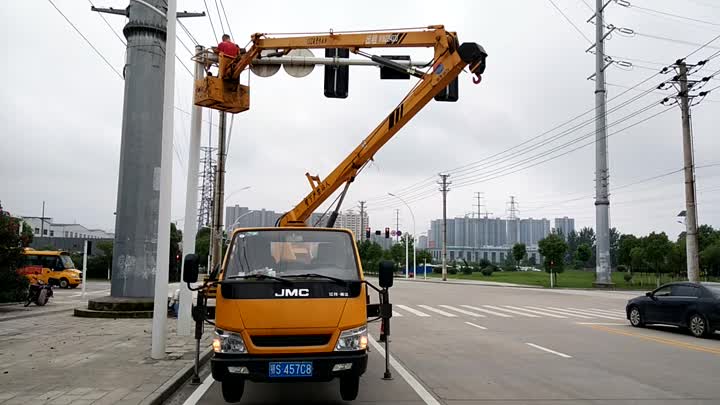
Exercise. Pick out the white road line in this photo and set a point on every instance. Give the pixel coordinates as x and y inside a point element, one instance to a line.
<point>601,323</point>
<point>412,382</point>
<point>199,392</point>
<point>462,311</point>
<point>477,326</point>
<point>609,312</point>
<point>396,314</point>
<point>545,349</point>
<point>487,311</point>
<point>412,310</point>
<point>512,311</point>
<point>586,312</point>
<point>438,311</point>
<point>563,312</point>
<point>532,311</point>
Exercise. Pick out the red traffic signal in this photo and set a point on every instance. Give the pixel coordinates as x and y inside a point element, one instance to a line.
<point>387,233</point>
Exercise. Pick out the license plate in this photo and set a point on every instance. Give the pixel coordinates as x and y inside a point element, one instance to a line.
<point>290,369</point>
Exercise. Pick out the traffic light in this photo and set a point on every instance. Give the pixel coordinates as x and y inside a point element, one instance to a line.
<point>89,250</point>
<point>378,232</point>
<point>387,233</point>
<point>337,77</point>
<point>367,233</point>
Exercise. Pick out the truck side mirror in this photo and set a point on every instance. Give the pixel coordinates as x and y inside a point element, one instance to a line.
<point>190,272</point>
<point>387,272</point>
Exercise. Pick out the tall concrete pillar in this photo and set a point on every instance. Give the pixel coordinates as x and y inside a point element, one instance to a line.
<point>136,222</point>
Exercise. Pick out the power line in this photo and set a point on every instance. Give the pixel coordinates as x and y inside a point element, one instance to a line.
<point>650,10</point>
<point>570,21</point>
<point>226,20</point>
<point>217,8</point>
<point>187,32</point>
<point>211,22</point>
<point>87,40</point>
<point>677,41</point>
<point>109,26</point>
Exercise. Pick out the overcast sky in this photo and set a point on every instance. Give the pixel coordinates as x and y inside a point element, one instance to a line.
<point>62,113</point>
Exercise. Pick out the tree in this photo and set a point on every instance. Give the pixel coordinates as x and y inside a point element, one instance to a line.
<point>519,251</point>
<point>614,246</point>
<point>424,256</point>
<point>26,236</point>
<point>657,246</point>
<point>202,245</point>
<point>532,261</point>
<point>587,236</point>
<point>710,259</point>
<point>583,254</point>
<point>484,263</point>
<point>370,255</point>
<point>572,242</point>
<point>13,286</point>
<point>553,249</point>
<point>175,253</point>
<point>637,259</point>
<point>707,236</point>
<point>626,243</point>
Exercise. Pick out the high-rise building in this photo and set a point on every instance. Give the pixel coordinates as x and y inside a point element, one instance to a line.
<point>352,221</point>
<point>422,242</point>
<point>564,226</point>
<point>494,232</point>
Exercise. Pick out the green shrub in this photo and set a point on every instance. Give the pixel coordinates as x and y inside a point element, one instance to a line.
<point>467,270</point>
<point>628,277</point>
<point>487,271</point>
<point>622,268</point>
<point>452,270</point>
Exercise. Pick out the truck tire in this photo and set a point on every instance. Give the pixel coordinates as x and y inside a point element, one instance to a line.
<point>233,389</point>
<point>349,387</point>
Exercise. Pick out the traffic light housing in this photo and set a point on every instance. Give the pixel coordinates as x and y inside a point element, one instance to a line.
<point>337,77</point>
<point>378,232</point>
<point>367,233</point>
<point>387,233</point>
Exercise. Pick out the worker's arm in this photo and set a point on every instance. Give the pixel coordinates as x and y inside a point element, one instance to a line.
<point>445,69</point>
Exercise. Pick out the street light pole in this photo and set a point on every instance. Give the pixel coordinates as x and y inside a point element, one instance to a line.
<point>406,240</point>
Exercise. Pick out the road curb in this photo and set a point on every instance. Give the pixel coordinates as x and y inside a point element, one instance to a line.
<point>484,284</point>
<point>35,314</point>
<point>176,381</point>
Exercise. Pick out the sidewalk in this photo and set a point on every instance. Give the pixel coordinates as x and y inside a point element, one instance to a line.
<point>62,359</point>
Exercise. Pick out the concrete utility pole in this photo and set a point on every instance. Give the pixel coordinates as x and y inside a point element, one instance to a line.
<point>135,247</point>
<point>444,184</point>
<point>184,324</point>
<point>219,188</point>
<point>362,220</point>
<point>42,222</point>
<point>602,202</point>
<point>691,238</point>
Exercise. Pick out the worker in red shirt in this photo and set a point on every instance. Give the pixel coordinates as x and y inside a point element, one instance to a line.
<point>227,47</point>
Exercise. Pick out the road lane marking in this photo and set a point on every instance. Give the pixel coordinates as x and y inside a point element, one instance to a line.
<point>537,312</point>
<point>487,311</point>
<point>581,312</point>
<point>669,342</point>
<point>438,311</point>
<point>396,314</point>
<point>412,310</point>
<point>564,312</point>
<point>512,311</point>
<point>601,323</point>
<point>199,392</point>
<point>609,312</point>
<point>585,311</point>
<point>462,311</point>
<point>545,349</point>
<point>477,326</point>
<point>412,382</point>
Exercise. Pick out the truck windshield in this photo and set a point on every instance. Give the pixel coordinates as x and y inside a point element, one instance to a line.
<point>67,262</point>
<point>281,253</point>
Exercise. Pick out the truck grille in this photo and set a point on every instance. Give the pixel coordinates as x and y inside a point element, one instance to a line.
<point>290,340</point>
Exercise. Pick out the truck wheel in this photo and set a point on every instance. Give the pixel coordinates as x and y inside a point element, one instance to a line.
<point>233,389</point>
<point>64,283</point>
<point>349,387</point>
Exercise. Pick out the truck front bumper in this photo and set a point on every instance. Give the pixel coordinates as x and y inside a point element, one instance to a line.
<point>258,366</point>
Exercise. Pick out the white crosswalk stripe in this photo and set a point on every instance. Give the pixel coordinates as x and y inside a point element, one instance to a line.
<point>413,311</point>
<point>532,311</point>
<point>596,314</point>
<point>609,312</point>
<point>396,314</point>
<point>462,311</point>
<point>512,311</point>
<point>487,311</point>
<point>584,313</point>
<point>438,311</point>
<point>561,312</point>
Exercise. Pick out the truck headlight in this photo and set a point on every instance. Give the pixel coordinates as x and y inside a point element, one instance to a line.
<point>228,342</point>
<point>352,339</point>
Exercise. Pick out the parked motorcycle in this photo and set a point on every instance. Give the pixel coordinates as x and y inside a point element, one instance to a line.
<point>39,293</point>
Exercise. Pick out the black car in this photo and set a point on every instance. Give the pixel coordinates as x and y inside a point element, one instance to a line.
<point>695,306</point>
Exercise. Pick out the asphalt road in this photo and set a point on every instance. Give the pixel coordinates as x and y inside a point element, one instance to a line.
<point>467,344</point>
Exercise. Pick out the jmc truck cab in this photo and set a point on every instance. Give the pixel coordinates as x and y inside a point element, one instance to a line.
<point>291,305</point>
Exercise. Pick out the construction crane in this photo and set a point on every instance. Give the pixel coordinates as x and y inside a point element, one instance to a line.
<point>225,93</point>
